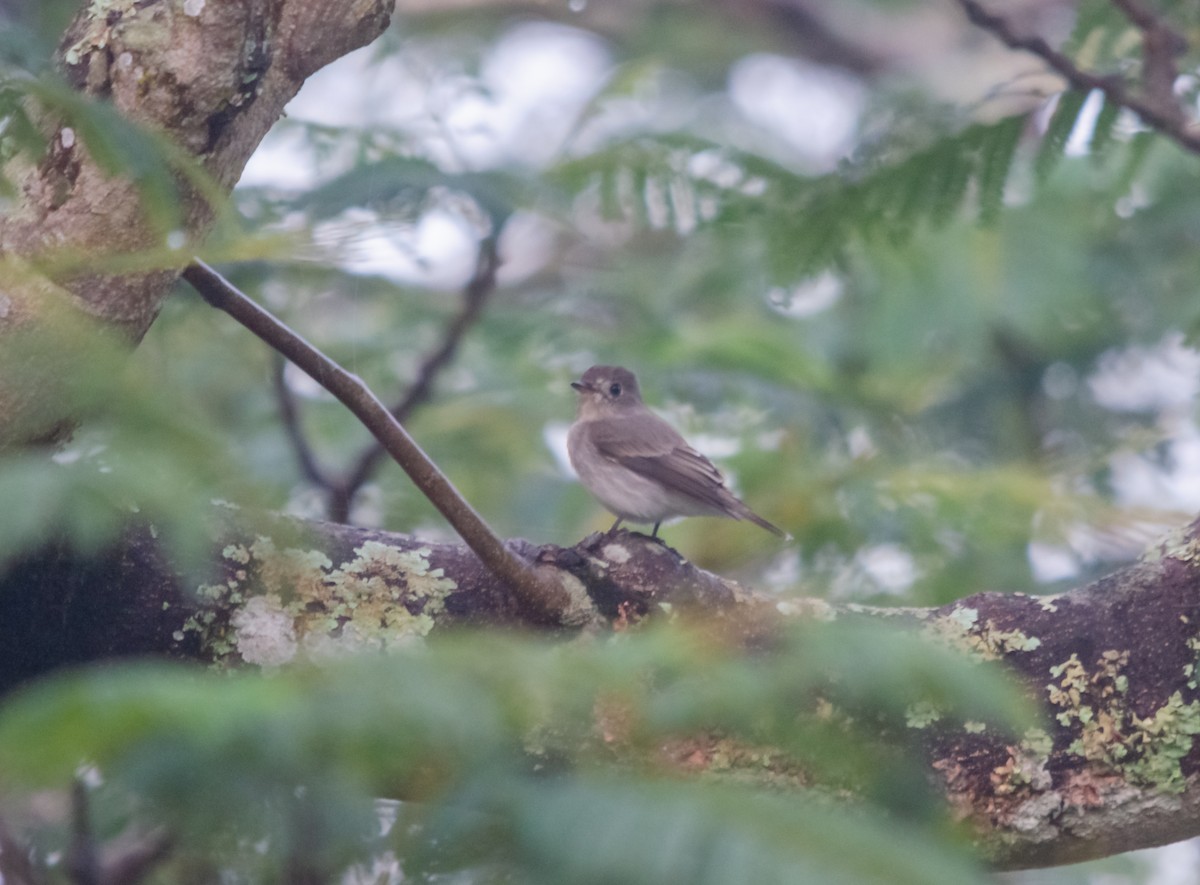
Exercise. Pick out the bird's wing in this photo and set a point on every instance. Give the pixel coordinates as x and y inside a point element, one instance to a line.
<point>657,451</point>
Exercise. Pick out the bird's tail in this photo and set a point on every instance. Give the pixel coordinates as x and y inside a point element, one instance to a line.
<point>744,512</point>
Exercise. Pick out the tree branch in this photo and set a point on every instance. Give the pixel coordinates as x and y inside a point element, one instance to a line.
<point>83,855</point>
<point>123,861</point>
<point>1114,766</point>
<point>340,491</point>
<point>1160,45</point>
<point>289,414</point>
<point>1169,120</point>
<point>475,294</point>
<point>211,81</point>
<point>544,599</point>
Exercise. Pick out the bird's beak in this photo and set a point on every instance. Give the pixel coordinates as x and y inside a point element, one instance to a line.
<point>580,386</point>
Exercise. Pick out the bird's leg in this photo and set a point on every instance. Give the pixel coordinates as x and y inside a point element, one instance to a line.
<point>654,534</point>
<point>616,525</point>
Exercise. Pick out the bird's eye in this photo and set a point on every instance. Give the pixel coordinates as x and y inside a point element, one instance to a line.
<point>615,390</point>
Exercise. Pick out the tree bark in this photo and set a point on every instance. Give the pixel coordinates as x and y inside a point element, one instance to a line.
<point>1113,663</point>
<point>213,77</point>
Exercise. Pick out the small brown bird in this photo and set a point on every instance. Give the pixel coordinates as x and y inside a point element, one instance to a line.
<point>636,464</point>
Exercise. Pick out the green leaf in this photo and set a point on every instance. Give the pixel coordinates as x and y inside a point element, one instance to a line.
<point>1136,157</point>
<point>589,830</point>
<point>1058,131</point>
<point>1102,132</point>
<point>18,135</point>
<point>402,185</point>
<point>998,150</point>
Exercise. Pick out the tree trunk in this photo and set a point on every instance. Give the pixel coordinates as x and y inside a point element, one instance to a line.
<point>213,77</point>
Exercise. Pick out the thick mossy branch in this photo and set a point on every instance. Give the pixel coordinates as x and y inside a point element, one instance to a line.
<point>1112,767</point>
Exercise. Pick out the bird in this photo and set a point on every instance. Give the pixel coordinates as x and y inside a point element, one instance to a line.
<point>639,466</point>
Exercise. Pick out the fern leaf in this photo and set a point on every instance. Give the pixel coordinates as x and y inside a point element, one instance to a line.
<point>951,184</point>
<point>1139,149</point>
<point>997,151</point>
<point>1099,25</point>
<point>1058,130</point>
<point>1102,132</point>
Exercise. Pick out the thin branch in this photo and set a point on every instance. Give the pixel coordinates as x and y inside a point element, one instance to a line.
<point>1160,45</point>
<point>83,855</point>
<point>544,599</point>
<point>475,294</point>
<point>124,861</point>
<point>1170,123</point>
<point>289,414</point>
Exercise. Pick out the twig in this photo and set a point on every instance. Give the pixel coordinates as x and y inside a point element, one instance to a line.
<point>543,598</point>
<point>340,490</point>
<point>83,855</point>
<point>1172,124</point>
<point>290,417</point>
<point>1160,46</point>
<point>475,293</point>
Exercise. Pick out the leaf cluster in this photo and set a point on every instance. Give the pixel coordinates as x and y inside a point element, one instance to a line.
<point>527,759</point>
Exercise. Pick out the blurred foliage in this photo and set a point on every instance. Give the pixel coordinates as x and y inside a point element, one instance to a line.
<point>504,748</point>
<point>138,454</point>
<point>958,341</point>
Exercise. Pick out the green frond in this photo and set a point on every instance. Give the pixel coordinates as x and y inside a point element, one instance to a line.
<point>401,185</point>
<point>1139,151</point>
<point>18,134</point>
<point>1058,131</point>
<point>808,221</point>
<point>1103,130</point>
<point>997,154</point>
<point>1095,41</point>
<point>474,724</point>
<point>597,830</point>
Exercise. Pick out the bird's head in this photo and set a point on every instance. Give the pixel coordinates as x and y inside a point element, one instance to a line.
<point>607,390</point>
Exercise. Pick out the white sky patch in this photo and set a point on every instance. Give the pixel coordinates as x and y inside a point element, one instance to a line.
<point>1172,864</point>
<point>554,435</point>
<point>439,251</point>
<point>1051,562</point>
<point>889,566</point>
<point>527,242</point>
<point>534,83</point>
<point>784,572</point>
<point>538,77</point>
<point>1174,485</point>
<point>808,298</point>
<point>1080,140</point>
<point>355,90</point>
<point>814,109</point>
<point>282,160</point>
<point>859,443</point>
<point>1137,378</point>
